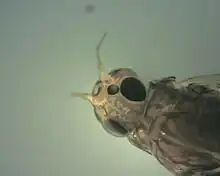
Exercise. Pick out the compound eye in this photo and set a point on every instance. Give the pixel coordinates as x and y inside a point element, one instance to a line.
<point>114,128</point>
<point>112,89</point>
<point>133,89</point>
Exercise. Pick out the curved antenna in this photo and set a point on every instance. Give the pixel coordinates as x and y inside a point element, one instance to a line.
<point>102,74</point>
<point>100,64</point>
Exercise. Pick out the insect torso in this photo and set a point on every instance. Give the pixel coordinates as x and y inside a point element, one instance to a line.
<point>179,128</point>
<point>178,123</point>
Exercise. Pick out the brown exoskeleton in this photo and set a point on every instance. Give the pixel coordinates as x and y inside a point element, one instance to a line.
<point>176,122</point>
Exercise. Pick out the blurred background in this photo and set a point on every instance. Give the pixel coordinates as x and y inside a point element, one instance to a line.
<point>47,50</point>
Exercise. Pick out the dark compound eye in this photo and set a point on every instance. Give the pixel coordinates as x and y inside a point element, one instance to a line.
<point>113,89</point>
<point>132,89</point>
<point>114,128</point>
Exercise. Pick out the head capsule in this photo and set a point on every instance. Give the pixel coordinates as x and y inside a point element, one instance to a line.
<point>118,98</point>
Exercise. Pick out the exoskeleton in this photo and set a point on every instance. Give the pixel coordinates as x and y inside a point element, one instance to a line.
<point>176,122</point>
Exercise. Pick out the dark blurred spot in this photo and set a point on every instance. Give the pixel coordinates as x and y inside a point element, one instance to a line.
<point>90,8</point>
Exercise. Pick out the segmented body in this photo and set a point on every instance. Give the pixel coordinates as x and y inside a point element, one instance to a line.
<point>180,127</point>
<point>175,122</point>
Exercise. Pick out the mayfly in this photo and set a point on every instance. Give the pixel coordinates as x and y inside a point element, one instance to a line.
<point>176,122</point>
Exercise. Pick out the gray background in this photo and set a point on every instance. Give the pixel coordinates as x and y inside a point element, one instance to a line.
<point>47,50</point>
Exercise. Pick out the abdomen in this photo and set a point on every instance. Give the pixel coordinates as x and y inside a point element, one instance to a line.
<point>189,137</point>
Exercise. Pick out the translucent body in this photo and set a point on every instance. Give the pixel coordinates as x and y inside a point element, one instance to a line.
<point>180,128</point>
<point>176,122</point>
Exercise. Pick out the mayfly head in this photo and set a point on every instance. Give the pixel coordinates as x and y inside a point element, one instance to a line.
<point>118,98</point>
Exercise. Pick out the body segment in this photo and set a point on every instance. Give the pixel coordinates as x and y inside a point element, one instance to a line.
<point>183,133</point>
<point>176,122</point>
